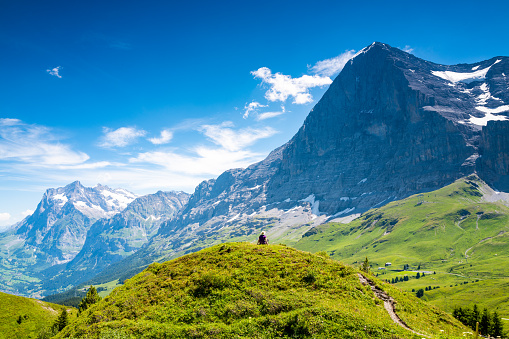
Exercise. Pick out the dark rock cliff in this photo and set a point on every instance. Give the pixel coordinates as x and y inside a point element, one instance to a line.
<point>494,161</point>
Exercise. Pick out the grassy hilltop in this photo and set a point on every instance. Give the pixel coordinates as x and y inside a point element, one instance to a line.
<point>460,232</point>
<point>246,291</point>
<point>25,317</point>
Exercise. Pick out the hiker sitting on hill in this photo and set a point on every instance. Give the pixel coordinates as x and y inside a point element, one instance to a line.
<point>262,239</point>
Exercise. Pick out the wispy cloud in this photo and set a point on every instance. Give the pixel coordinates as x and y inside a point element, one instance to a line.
<point>166,136</point>
<point>27,213</point>
<point>251,108</point>
<point>408,49</point>
<point>120,137</point>
<point>205,161</point>
<point>281,86</point>
<point>228,138</point>
<point>268,115</point>
<point>4,217</point>
<point>35,145</point>
<point>55,71</point>
<point>332,66</point>
<point>202,161</point>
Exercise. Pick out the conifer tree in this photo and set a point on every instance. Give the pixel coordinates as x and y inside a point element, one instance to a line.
<point>365,265</point>
<point>474,317</point>
<point>61,321</point>
<point>484,325</point>
<point>91,298</point>
<point>496,325</point>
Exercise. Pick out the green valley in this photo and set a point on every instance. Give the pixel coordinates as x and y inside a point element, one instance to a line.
<point>460,232</point>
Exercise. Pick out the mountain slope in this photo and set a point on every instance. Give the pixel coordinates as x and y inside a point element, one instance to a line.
<point>390,125</point>
<point>110,240</point>
<point>461,232</point>
<point>55,233</point>
<point>441,227</point>
<point>244,290</point>
<point>35,316</point>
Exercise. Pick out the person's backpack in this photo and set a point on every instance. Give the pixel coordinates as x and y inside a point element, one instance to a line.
<point>262,239</point>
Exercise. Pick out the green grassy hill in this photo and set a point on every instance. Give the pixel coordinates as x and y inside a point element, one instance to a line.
<point>24,317</point>
<point>460,232</point>
<point>246,291</point>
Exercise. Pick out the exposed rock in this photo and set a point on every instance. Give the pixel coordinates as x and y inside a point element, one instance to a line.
<point>494,161</point>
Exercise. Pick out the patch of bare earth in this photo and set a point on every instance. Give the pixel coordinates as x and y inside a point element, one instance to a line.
<point>388,303</point>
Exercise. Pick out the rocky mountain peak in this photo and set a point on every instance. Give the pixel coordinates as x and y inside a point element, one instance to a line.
<point>390,125</point>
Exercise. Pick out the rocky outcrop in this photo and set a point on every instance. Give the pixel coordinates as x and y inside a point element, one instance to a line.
<point>493,164</point>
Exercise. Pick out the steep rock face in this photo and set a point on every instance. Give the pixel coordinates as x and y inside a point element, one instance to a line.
<point>494,160</point>
<point>110,240</point>
<point>390,125</point>
<point>371,138</point>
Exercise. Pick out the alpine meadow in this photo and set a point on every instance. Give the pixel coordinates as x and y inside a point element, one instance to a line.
<point>218,170</point>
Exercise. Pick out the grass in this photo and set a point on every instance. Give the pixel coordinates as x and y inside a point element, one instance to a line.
<point>452,231</point>
<point>246,291</point>
<point>25,317</point>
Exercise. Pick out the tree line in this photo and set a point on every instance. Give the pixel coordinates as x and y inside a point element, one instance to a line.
<point>489,323</point>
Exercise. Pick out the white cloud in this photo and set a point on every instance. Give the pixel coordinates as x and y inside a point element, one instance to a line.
<point>231,140</point>
<point>35,145</point>
<point>4,217</point>
<point>408,49</point>
<point>26,213</point>
<point>284,86</point>
<point>92,165</point>
<point>120,137</point>
<point>202,161</point>
<point>251,107</point>
<point>329,67</point>
<point>268,115</point>
<point>166,136</point>
<point>54,71</point>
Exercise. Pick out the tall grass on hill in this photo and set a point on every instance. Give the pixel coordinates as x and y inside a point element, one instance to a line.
<point>246,291</point>
<point>25,317</point>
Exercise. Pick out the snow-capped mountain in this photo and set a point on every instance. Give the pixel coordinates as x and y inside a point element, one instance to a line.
<point>110,240</point>
<point>389,126</point>
<point>60,222</point>
<point>56,231</point>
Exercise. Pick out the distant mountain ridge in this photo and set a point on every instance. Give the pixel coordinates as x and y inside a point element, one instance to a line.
<point>34,252</point>
<point>110,240</point>
<point>60,222</point>
<point>389,126</point>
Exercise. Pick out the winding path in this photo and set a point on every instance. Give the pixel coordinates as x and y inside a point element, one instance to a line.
<point>388,304</point>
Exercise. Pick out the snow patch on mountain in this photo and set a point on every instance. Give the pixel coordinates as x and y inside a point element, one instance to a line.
<point>455,77</point>
<point>61,198</point>
<point>483,98</point>
<point>315,204</point>
<point>490,115</point>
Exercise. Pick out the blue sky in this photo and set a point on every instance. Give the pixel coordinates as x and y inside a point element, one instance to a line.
<point>159,95</point>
